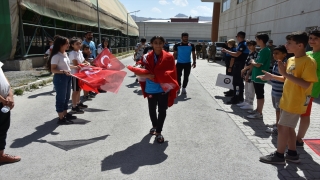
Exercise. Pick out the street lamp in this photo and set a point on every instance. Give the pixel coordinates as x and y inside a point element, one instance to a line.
<point>98,22</point>
<point>128,28</point>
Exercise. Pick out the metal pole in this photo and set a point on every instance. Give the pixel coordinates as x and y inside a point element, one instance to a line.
<point>21,35</point>
<point>144,30</point>
<point>127,32</point>
<point>98,21</point>
<point>139,30</point>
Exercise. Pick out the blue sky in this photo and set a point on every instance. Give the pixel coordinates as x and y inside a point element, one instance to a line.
<point>168,8</point>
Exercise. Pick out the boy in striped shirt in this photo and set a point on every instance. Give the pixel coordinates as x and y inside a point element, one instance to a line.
<point>279,54</point>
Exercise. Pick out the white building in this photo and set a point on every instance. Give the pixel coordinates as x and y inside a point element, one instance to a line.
<point>278,18</point>
<point>199,31</point>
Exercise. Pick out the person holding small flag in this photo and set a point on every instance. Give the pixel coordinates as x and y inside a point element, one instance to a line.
<point>161,85</point>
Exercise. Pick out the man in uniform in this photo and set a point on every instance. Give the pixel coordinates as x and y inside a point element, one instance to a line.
<point>212,52</point>
<point>204,50</point>
<point>240,55</point>
<point>198,50</point>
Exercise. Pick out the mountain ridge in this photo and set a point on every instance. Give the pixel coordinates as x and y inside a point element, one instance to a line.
<point>138,19</point>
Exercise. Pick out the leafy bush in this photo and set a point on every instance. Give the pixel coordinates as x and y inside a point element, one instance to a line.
<point>18,92</point>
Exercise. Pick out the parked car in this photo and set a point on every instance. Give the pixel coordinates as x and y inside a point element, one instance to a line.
<point>218,45</point>
<point>171,47</point>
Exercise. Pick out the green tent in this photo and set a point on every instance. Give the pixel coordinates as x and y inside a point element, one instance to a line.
<point>113,16</point>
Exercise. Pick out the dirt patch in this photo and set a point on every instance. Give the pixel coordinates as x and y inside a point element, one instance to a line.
<point>20,78</point>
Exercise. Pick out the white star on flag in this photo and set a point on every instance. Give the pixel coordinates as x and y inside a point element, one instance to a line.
<point>109,65</point>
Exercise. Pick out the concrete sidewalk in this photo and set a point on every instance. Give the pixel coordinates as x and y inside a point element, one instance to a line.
<point>309,168</point>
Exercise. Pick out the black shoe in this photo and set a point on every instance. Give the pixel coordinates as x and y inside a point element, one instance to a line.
<point>92,94</point>
<point>82,106</point>
<point>64,121</point>
<point>227,92</point>
<point>101,91</point>
<point>230,94</point>
<point>87,98</point>
<point>70,116</point>
<point>77,110</point>
<point>299,144</point>
<point>233,101</point>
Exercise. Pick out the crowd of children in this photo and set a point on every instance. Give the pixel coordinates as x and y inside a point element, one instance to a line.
<point>63,65</point>
<point>294,83</point>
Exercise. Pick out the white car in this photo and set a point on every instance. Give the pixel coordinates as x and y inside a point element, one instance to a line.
<point>171,47</point>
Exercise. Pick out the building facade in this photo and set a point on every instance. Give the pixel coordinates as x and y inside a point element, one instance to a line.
<point>274,17</point>
<point>171,29</point>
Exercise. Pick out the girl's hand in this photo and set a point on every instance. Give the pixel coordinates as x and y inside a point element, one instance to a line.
<point>66,72</point>
<point>150,76</point>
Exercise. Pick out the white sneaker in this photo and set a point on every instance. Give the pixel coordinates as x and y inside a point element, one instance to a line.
<point>271,125</point>
<point>255,116</point>
<point>252,111</point>
<point>247,107</point>
<point>242,104</point>
<point>184,91</point>
<point>273,130</point>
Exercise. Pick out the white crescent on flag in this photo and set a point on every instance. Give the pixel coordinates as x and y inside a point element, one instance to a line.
<point>102,59</point>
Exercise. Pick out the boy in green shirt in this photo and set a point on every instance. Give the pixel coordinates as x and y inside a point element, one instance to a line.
<point>314,42</point>
<point>262,63</point>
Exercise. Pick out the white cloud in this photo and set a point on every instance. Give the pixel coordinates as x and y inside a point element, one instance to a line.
<point>204,11</point>
<point>156,10</point>
<point>171,8</point>
<point>180,2</point>
<point>163,2</point>
<point>194,12</point>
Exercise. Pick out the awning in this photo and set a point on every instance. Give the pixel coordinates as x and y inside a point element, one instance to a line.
<point>113,15</point>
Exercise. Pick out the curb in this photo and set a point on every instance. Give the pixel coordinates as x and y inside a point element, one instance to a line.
<point>46,81</point>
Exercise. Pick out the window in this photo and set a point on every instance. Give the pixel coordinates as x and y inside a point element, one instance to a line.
<point>266,32</point>
<point>223,38</point>
<point>308,29</point>
<point>240,1</point>
<point>226,5</point>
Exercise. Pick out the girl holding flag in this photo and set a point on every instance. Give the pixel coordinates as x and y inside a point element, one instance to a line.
<point>161,85</point>
<point>59,64</point>
<point>76,58</point>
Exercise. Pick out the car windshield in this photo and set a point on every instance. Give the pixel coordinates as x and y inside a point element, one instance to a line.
<point>219,44</point>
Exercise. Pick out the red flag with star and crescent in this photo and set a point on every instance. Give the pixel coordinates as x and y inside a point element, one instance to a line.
<point>106,60</point>
<point>107,76</point>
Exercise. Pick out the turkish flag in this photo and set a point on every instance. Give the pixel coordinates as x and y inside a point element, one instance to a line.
<point>137,70</point>
<point>94,78</point>
<point>108,61</point>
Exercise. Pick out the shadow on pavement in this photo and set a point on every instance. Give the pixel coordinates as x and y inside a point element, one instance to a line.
<point>138,92</point>
<point>133,85</point>
<point>94,110</point>
<point>50,93</point>
<point>181,97</point>
<point>307,168</point>
<point>140,154</point>
<point>42,131</point>
<point>73,144</point>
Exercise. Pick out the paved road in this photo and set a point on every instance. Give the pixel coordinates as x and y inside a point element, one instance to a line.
<point>111,141</point>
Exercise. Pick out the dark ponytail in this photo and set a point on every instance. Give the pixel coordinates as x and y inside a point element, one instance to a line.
<point>58,42</point>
